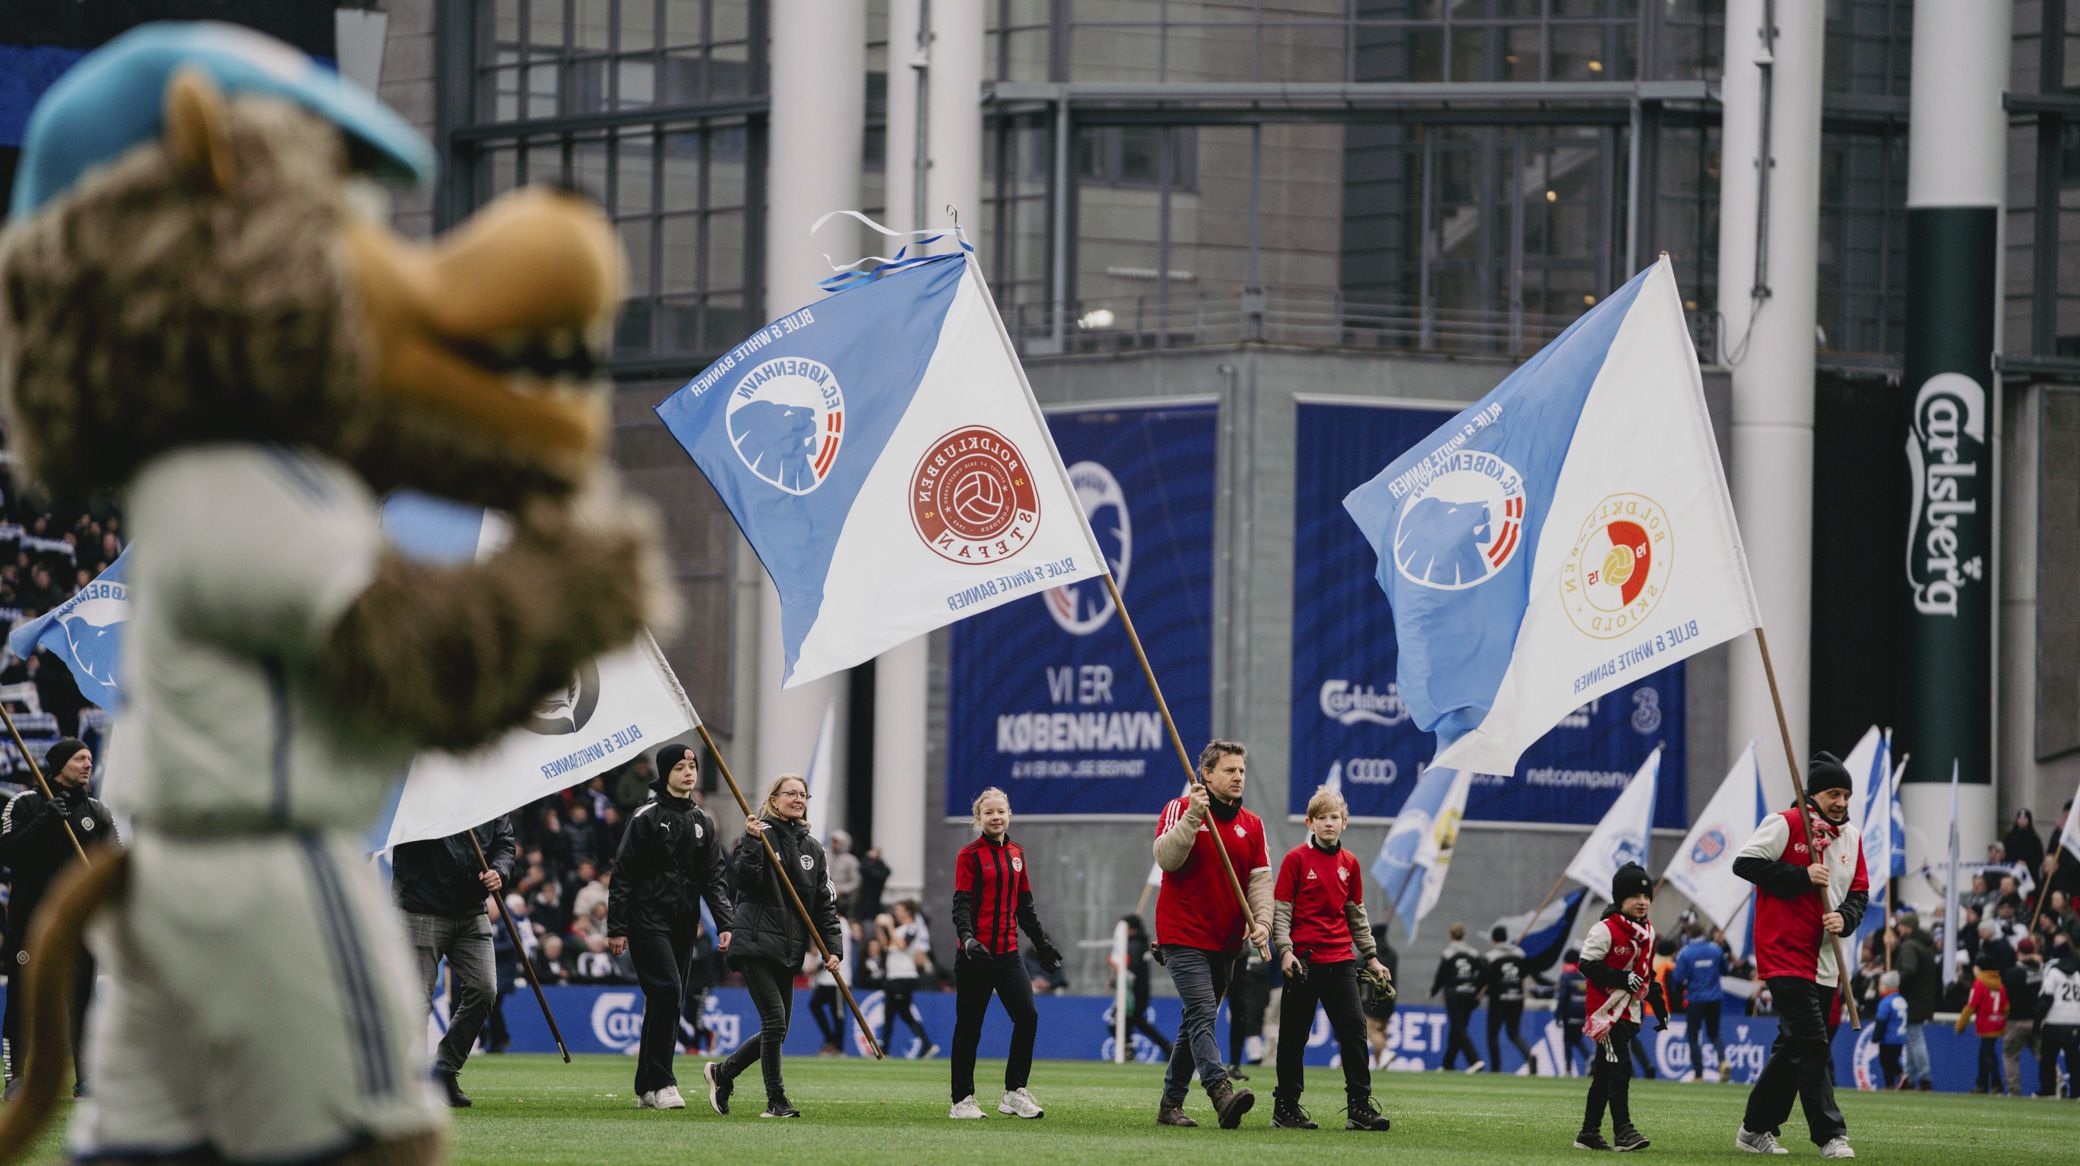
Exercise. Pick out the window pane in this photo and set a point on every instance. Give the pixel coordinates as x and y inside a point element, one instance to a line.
<point>682,171</point>
<point>635,240</point>
<point>682,22</point>
<point>590,23</point>
<point>681,256</point>
<point>542,89</point>
<point>638,83</point>
<point>638,26</point>
<point>632,173</point>
<point>589,167</point>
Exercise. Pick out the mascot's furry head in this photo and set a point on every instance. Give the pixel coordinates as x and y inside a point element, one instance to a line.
<point>253,296</point>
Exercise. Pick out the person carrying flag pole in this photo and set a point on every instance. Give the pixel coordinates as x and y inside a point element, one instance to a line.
<point>1801,860</point>
<point>1200,924</point>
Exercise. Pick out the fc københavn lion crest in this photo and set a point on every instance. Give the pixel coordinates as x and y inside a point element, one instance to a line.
<point>1462,527</point>
<point>786,419</point>
<point>1085,606</point>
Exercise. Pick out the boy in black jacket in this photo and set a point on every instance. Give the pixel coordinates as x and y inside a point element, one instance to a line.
<point>670,859</point>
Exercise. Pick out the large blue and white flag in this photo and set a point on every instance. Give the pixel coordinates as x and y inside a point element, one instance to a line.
<point>817,777</point>
<point>1567,534</point>
<point>86,632</point>
<point>883,455</point>
<point>1870,802</point>
<point>615,708</point>
<point>1899,823</point>
<point>1703,866</point>
<point>1623,834</point>
<point>1417,854</point>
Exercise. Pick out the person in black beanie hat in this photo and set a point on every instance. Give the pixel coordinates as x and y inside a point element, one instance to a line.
<point>35,845</point>
<point>1618,961</point>
<point>1807,866</point>
<point>670,859</point>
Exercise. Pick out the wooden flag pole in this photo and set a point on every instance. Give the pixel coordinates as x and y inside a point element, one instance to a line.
<point>520,950</point>
<point>41,782</point>
<point>1776,697</point>
<point>1148,673</point>
<point>773,859</point>
<point>1550,892</point>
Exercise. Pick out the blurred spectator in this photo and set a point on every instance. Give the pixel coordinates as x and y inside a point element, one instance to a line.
<point>546,905</point>
<point>824,1005</point>
<point>1994,949</point>
<point>1889,1029</point>
<point>597,965</point>
<point>580,836</point>
<point>845,872</point>
<point>1045,983</point>
<point>1921,982</point>
<point>1138,984</point>
<point>1570,1008</point>
<point>551,968</point>
<point>1981,897</point>
<point>2022,843</point>
<point>585,887</point>
<point>873,879</point>
<point>2023,982</point>
<point>900,934</point>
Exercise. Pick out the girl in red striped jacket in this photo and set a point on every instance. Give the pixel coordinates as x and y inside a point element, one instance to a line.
<point>992,899</point>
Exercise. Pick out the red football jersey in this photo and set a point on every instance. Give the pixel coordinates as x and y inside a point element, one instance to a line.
<point>1197,907</point>
<point>994,875</point>
<point>1319,885</point>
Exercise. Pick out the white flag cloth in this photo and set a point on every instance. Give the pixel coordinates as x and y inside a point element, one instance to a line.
<point>617,709</point>
<point>1622,835</point>
<point>2069,838</point>
<point>1952,916</point>
<point>1703,866</point>
<point>1567,534</point>
<point>883,455</point>
<point>1864,776</point>
<point>818,776</point>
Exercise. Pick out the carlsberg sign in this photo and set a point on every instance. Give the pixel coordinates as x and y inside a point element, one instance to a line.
<point>1946,446</point>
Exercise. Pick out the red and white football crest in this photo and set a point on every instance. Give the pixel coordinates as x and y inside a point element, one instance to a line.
<point>972,498</point>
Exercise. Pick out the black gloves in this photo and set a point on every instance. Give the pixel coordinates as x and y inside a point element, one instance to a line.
<point>1049,957</point>
<point>973,949</point>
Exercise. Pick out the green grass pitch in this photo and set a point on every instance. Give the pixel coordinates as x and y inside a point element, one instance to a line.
<point>537,1109</point>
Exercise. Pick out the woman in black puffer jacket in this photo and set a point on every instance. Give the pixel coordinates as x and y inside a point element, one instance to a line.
<point>768,939</point>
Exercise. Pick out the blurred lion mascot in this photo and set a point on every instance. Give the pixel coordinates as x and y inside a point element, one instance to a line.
<point>202,311</point>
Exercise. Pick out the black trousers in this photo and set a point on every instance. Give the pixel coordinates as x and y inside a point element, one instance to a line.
<point>1503,1018</point>
<point>1571,1042</point>
<point>823,1009</point>
<point>1335,987</point>
<point>1457,1034</point>
<point>975,981</point>
<point>1703,1021</point>
<point>660,958</point>
<point>1610,1079</point>
<point>1989,1065</point>
<point>1800,1064</point>
<point>10,1026</point>
<point>1888,1063</point>
<point>772,992</point>
<point>896,1005</point>
<point>2058,1038</point>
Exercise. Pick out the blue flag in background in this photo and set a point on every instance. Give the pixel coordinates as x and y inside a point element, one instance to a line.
<point>1417,854</point>
<point>86,632</point>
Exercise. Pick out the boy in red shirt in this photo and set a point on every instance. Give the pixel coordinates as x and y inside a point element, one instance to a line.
<point>1318,916</point>
<point>1618,962</point>
<point>1987,1012</point>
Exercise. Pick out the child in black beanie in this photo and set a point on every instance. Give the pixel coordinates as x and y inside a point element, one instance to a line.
<point>1617,960</point>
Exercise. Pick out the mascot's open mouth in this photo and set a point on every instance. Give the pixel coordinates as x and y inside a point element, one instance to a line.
<point>500,324</point>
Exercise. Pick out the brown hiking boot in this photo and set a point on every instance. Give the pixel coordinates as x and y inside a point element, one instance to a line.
<point>1173,1115</point>
<point>1230,1103</point>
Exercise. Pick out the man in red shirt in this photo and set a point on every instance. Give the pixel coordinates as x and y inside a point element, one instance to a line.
<point>1200,926</point>
<point>1810,884</point>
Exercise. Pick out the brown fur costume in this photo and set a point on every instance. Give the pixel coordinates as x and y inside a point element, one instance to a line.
<point>218,286</point>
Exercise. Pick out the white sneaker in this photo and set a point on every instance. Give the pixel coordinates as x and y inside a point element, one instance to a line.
<point>647,1100</point>
<point>1477,1066</point>
<point>1021,1103</point>
<point>966,1110</point>
<point>1838,1148</point>
<point>1762,1143</point>
<point>668,1098</point>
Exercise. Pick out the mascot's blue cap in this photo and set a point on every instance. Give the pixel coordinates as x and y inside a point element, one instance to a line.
<point>114,99</point>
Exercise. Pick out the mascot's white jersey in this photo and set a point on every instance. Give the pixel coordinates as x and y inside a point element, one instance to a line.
<point>245,558</point>
<point>259,1005</point>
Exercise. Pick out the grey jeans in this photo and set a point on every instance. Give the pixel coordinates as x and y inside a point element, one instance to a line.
<point>1202,979</point>
<point>466,942</point>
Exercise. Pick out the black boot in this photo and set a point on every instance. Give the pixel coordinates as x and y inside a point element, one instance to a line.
<point>457,1099</point>
<point>1359,1115</point>
<point>1629,1138</point>
<point>1590,1140</point>
<point>1286,1114</point>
